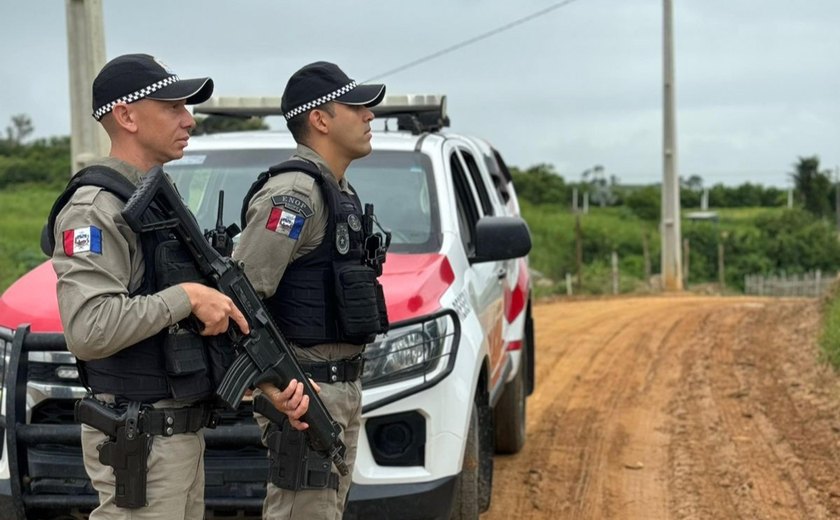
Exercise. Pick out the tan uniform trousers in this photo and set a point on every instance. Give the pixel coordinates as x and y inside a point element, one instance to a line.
<point>344,402</point>
<point>175,478</point>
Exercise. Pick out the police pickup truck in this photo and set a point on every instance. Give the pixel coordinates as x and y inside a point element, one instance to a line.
<point>444,388</point>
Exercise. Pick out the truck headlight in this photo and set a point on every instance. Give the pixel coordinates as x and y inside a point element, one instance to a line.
<point>423,349</point>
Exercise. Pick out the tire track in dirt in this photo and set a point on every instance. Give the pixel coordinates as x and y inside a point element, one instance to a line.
<point>584,427</point>
<point>676,407</point>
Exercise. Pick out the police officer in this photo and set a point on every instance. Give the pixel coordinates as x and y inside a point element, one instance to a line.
<point>121,307</point>
<point>302,247</point>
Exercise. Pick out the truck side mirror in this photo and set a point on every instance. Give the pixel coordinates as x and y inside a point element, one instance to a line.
<point>501,238</point>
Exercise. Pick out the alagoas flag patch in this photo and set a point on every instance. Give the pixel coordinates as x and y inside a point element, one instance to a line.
<point>284,222</point>
<point>83,240</point>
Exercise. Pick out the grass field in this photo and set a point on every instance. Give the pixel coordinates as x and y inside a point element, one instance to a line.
<point>23,211</point>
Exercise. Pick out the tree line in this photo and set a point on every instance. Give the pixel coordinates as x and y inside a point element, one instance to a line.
<point>47,160</point>
<point>814,190</point>
<point>777,240</point>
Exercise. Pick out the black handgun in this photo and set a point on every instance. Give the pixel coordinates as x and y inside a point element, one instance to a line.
<point>294,465</point>
<point>264,355</point>
<point>126,450</point>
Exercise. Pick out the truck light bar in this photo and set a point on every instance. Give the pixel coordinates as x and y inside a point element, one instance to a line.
<point>416,113</point>
<point>240,106</point>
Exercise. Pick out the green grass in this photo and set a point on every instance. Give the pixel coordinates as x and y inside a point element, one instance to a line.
<point>23,211</point>
<point>618,229</point>
<point>603,230</point>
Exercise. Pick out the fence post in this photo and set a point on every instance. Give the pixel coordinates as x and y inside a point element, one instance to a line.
<point>817,283</point>
<point>646,256</point>
<point>568,284</point>
<point>721,276</point>
<point>614,272</point>
<point>579,251</point>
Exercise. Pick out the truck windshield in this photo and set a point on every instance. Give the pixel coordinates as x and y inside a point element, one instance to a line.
<point>400,185</point>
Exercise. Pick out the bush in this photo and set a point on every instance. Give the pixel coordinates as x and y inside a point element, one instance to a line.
<point>645,202</point>
<point>796,242</point>
<point>541,184</point>
<point>43,161</point>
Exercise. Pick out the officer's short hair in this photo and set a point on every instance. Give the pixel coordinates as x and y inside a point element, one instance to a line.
<point>299,125</point>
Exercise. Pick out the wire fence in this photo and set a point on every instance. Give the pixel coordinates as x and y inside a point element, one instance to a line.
<point>812,284</point>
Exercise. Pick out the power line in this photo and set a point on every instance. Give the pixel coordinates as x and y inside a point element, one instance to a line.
<point>474,39</point>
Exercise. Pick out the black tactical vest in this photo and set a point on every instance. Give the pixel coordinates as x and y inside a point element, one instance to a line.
<point>330,294</point>
<point>174,363</point>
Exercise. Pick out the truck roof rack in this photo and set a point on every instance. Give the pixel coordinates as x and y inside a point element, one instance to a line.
<point>416,113</point>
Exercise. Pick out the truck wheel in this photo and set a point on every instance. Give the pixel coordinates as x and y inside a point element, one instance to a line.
<point>466,503</point>
<point>531,352</point>
<point>510,411</point>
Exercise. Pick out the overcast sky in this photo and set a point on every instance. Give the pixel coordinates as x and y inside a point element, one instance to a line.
<point>757,82</point>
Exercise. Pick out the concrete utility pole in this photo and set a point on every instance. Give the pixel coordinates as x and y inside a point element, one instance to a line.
<point>85,57</point>
<point>671,236</point>
<point>837,196</point>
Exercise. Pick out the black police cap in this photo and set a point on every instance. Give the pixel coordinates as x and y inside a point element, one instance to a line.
<point>132,77</point>
<point>322,82</point>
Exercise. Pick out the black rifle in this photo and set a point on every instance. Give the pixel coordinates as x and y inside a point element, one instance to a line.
<point>264,355</point>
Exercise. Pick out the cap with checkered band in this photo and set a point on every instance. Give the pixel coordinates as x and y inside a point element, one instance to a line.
<point>322,82</point>
<point>132,77</point>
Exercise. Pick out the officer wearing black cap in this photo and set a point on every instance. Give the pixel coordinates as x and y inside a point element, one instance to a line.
<point>122,303</point>
<point>303,248</point>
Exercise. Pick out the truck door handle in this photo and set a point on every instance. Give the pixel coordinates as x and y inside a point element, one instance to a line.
<point>501,273</point>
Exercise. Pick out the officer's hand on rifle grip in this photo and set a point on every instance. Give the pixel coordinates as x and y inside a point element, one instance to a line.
<point>213,309</point>
<point>292,401</point>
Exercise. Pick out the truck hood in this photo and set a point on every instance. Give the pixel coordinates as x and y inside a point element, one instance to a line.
<point>413,286</point>
<point>31,299</point>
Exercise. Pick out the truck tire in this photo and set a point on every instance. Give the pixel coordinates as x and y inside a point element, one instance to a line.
<point>510,411</point>
<point>465,505</point>
<point>531,352</point>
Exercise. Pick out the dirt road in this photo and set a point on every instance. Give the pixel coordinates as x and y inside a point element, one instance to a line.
<point>676,408</point>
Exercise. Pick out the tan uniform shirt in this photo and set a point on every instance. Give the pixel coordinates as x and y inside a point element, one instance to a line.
<point>97,313</point>
<point>266,249</point>
<point>265,253</point>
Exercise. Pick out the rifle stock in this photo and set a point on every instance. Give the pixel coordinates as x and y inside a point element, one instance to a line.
<point>263,355</point>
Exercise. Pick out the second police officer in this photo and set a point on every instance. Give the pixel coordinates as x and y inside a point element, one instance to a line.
<point>303,247</point>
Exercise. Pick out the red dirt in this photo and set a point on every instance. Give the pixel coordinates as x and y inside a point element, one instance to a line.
<point>676,407</point>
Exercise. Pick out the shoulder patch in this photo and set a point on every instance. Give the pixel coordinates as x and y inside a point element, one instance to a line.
<point>285,222</point>
<point>82,240</point>
<point>293,203</point>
